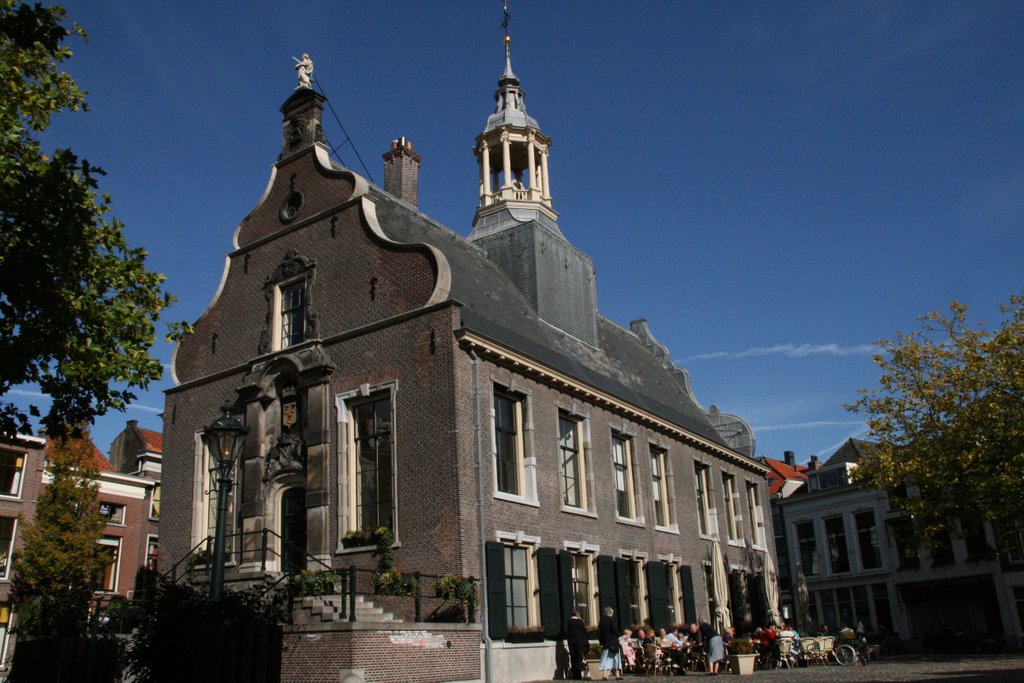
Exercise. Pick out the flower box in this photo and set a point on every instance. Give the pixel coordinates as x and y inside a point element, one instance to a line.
<point>742,664</point>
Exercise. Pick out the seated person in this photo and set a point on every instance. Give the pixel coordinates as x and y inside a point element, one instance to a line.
<point>628,653</point>
<point>675,649</point>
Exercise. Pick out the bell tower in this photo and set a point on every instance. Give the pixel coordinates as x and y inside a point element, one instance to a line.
<point>515,222</point>
<point>512,153</point>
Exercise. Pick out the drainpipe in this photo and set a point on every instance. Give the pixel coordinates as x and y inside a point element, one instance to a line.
<point>477,429</point>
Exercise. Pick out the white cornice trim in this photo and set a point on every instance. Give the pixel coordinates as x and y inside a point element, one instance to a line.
<point>558,379</point>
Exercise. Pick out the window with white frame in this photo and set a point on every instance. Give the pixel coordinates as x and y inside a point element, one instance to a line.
<point>635,591</point>
<point>152,552</point>
<point>839,555</point>
<point>154,503</point>
<point>12,466</point>
<point>659,487</point>
<point>573,459</point>
<point>702,491</point>
<point>110,549</point>
<point>808,546</point>
<point>114,512</point>
<point>732,517</point>
<point>519,586</point>
<point>206,492</point>
<point>5,628</point>
<point>622,461</point>
<point>371,463</point>
<point>8,525</point>
<point>583,587</point>
<point>756,514</point>
<point>509,469</point>
<point>292,314</point>
<point>672,593</point>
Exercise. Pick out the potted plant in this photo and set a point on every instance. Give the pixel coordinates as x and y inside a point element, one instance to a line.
<point>357,538</point>
<point>594,660</point>
<point>525,634</point>
<point>742,656</point>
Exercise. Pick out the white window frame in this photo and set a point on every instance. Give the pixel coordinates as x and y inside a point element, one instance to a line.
<point>582,470</point>
<point>152,539</point>
<point>733,520</point>
<point>526,470</point>
<point>19,475</point>
<point>117,543</point>
<point>6,610</point>
<point>530,544</point>
<point>588,557</point>
<point>628,463</point>
<point>702,497</point>
<point>204,500</point>
<point>279,310</point>
<point>114,507</point>
<point>154,495</point>
<point>638,560</point>
<point>661,491</point>
<point>10,549</point>
<point>380,393</point>
<point>757,531</point>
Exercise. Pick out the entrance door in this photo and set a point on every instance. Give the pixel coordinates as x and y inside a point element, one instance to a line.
<point>293,531</point>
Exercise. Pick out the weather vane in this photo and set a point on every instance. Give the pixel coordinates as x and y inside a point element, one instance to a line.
<point>504,23</point>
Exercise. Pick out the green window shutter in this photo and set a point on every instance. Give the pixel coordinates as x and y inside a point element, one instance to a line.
<point>621,593</point>
<point>565,584</point>
<point>547,584</point>
<point>657,594</point>
<point>689,606</point>
<point>497,619</point>
<point>605,583</point>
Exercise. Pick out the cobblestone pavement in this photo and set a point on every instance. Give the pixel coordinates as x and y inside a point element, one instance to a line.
<point>908,667</point>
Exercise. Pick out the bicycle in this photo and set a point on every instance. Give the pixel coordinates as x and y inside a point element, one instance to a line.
<point>850,653</point>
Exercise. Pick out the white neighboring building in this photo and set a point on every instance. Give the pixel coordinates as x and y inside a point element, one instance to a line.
<point>843,544</point>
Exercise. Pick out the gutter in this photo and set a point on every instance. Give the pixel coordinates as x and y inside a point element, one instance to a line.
<point>477,430</point>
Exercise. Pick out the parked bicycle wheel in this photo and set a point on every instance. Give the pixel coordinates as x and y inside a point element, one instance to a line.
<point>846,654</point>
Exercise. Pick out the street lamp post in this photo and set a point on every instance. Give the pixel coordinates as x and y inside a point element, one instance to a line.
<point>224,440</point>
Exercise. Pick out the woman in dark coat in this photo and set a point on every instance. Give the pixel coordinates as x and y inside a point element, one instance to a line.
<point>576,636</point>
<point>608,635</point>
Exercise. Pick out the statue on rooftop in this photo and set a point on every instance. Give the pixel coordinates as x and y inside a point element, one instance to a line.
<point>304,69</point>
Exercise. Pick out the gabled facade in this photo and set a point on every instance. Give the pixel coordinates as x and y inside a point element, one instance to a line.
<point>852,562</point>
<point>464,392</point>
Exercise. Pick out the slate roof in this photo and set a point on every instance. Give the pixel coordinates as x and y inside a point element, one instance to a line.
<point>493,307</point>
<point>851,451</point>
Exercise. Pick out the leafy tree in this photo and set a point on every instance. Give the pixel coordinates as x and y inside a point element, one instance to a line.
<point>77,304</point>
<point>949,418</point>
<point>54,572</point>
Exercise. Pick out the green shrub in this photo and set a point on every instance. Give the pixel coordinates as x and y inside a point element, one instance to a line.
<point>741,646</point>
<point>311,584</point>
<point>394,582</point>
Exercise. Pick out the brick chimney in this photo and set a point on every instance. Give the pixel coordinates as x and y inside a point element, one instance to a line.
<point>790,458</point>
<point>402,171</point>
<point>813,464</point>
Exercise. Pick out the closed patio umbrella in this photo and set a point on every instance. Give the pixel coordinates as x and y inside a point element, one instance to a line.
<point>771,590</point>
<point>720,588</point>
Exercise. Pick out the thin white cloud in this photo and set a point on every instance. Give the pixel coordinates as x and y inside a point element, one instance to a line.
<point>790,351</point>
<point>834,447</point>
<point>808,425</point>
<point>145,409</point>
<point>28,393</point>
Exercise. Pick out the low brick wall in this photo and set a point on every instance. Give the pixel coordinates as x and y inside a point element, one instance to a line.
<point>382,653</point>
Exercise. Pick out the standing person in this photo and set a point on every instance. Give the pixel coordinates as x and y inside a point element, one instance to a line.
<point>576,635</point>
<point>713,641</point>
<point>608,636</point>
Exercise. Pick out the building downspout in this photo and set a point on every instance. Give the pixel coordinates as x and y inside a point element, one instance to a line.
<point>478,433</point>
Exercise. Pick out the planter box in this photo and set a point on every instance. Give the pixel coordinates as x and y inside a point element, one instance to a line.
<point>742,664</point>
<point>530,637</point>
<point>595,675</point>
<point>358,543</point>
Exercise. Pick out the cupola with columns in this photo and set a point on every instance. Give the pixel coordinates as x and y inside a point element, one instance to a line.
<point>515,224</point>
<point>512,153</point>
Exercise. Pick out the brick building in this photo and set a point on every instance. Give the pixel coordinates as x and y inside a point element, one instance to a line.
<point>463,391</point>
<point>130,538</point>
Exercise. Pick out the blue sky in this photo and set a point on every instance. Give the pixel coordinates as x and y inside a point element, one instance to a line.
<point>773,185</point>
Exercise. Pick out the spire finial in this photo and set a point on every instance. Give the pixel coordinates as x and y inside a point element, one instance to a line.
<point>508,41</point>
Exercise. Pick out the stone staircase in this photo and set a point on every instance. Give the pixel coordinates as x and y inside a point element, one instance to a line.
<point>328,609</point>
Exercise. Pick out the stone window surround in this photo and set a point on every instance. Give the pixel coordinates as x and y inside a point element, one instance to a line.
<point>528,460</point>
<point>343,402</point>
<point>519,539</point>
<point>572,411</point>
<point>628,438</point>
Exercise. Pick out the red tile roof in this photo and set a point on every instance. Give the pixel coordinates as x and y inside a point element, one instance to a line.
<point>781,473</point>
<point>154,441</point>
<point>101,461</point>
